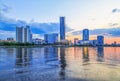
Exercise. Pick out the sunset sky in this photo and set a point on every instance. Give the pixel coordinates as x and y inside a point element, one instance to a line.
<point>80,14</point>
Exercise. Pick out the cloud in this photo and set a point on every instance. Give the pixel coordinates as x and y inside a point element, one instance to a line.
<point>113,24</point>
<point>106,32</point>
<point>116,10</point>
<point>42,28</point>
<point>5,34</point>
<point>38,29</point>
<point>4,8</point>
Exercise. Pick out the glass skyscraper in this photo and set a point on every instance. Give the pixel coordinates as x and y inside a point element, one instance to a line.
<point>100,40</point>
<point>62,28</point>
<point>85,35</point>
<point>51,38</point>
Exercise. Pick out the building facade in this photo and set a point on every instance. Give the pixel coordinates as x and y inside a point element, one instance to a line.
<point>38,41</point>
<point>19,34</point>
<point>85,35</point>
<point>51,38</point>
<point>62,28</point>
<point>23,34</point>
<point>100,40</point>
<point>27,34</point>
<point>10,39</point>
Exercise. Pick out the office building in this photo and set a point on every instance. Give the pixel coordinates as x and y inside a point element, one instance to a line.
<point>27,34</point>
<point>85,35</point>
<point>38,41</point>
<point>100,40</point>
<point>51,38</point>
<point>23,34</point>
<point>19,34</point>
<point>62,28</point>
<point>10,39</point>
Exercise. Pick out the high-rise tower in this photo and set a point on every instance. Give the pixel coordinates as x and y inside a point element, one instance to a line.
<point>19,34</point>
<point>62,28</point>
<point>23,34</point>
<point>100,40</point>
<point>85,35</point>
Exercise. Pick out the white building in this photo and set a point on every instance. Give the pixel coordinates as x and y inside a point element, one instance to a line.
<point>23,34</point>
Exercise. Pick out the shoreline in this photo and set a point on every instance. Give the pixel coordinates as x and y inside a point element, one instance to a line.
<point>38,46</point>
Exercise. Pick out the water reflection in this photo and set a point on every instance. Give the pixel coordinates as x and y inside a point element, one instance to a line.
<point>10,50</point>
<point>23,57</point>
<point>50,54</point>
<point>62,62</point>
<point>42,64</point>
<point>85,54</point>
<point>100,53</point>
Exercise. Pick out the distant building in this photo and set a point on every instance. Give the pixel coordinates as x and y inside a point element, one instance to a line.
<point>38,41</point>
<point>85,35</point>
<point>23,34</point>
<point>94,42</point>
<point>100,40</point>
<point>76,41</point>
<point>62,28</point>
<point>10,39</point>
<point>64,42</point>
<point>89,42</point>
<point>51,38</point>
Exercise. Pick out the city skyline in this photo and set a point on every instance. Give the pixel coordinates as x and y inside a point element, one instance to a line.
<point>59,40</point>
<point>86,36</point>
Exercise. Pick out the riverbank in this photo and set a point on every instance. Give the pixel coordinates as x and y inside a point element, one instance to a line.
<point>39,46</point>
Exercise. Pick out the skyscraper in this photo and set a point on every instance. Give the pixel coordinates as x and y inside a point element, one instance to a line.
<point>27,34</point>
<point>23,34</point>
<point>100,40</point>
<point>62,28</point>
<point>85,35</point>
<point>19,34</point>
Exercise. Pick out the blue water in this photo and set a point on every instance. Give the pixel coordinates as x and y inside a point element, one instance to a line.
<point>60,64</point>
